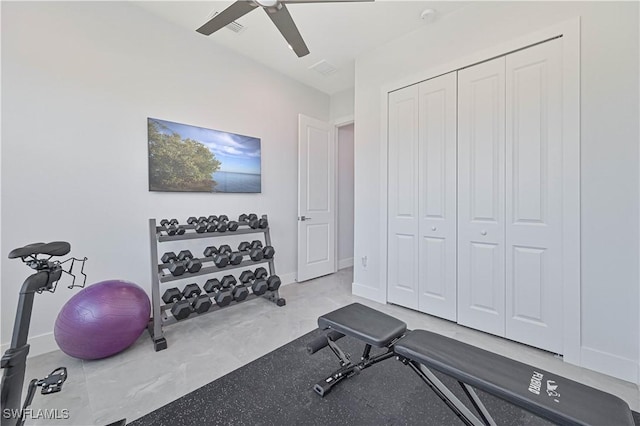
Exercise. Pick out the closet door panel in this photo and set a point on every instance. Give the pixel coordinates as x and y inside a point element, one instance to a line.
<point>481,200</point>
<point>437,196</point>
<point>403,238</point>
<point>534,196</point>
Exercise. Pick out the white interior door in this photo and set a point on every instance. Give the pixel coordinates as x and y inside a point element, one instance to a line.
<point>437,196</point>
<point>534,196</point>
<point>316,199</point>
<point>481,188</point>
<point>402,254</point>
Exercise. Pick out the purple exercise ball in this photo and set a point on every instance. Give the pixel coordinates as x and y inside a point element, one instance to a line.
<point>102,319</point>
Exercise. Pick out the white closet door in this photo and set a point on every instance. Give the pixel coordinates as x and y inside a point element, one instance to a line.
<point>403,198</point>
<point>534,196</point>
<point>481,209</point>
<point>437,196</point>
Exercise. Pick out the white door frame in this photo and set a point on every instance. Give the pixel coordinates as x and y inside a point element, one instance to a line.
<point>570,33</point>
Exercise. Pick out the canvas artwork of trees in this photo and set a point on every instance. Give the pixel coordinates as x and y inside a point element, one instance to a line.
<point>194,159</point>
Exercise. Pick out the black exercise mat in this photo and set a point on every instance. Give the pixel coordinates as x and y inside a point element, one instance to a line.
<point>276,389</point>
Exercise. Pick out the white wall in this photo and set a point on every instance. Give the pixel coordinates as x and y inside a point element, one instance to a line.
<point>342,104</point>
<point>345,195</point>
<point>78,83</point>
<point>609,153</point>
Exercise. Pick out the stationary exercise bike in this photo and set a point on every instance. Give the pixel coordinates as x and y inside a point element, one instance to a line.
<point>13,363</point>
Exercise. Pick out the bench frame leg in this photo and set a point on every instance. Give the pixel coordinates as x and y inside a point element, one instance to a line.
<point>347,367</point>
<point>477,404</point>
<point>452,401</point>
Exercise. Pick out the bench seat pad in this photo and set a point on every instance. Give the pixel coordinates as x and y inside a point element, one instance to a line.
<point>545,394</point>
<point>372,327</point>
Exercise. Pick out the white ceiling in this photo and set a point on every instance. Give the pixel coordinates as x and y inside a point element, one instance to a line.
<point>335,32</point>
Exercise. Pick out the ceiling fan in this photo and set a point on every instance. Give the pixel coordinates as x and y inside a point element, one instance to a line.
<point>276,10</point>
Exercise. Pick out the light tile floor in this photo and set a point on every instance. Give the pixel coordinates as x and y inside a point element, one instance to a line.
<point>139,380</point>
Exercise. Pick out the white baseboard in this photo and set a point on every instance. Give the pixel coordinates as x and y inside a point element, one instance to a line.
<point>613,365</point>
<point>42,344</point>
<point>376,294</point>
<point>345,263</point>
<point>287,279</point>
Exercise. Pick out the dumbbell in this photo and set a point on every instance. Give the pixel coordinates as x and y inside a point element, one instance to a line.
<point>165,222</point>
<point>193,302</point>
<point>274,282</point>
<point>199,225</point>
<point>202,224</point>
<point>260,272</point>
<point>171,227</point>
<point>249,219</point>
<point>191,290</point>
<point>234,257</point>
<point>192,264</point>
<point>211,223</point>
<point>181,309</point>
<point>210,226</point>
<point>171,295</point>
<point>254,253</point>
<point>232,225</point>
<point>219,259</point>
<point>201,302</point>
<point>222,296</point>
<point>224,224</point>
<point>239,292</point>
<point>258,285</point>
<point>174,265</point>
<point>267,252</point>
<point>263,223</point>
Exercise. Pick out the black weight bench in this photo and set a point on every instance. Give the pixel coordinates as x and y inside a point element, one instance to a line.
<point>372,327</point>
<point>544,394</point>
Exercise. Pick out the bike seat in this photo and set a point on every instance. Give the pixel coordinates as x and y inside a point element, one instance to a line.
<point>55,248</point>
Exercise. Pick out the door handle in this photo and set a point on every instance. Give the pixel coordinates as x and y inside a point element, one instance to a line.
<point>483,232</point>
<point>303,218</point>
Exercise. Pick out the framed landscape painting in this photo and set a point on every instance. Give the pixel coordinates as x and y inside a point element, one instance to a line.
<point>184,158</point>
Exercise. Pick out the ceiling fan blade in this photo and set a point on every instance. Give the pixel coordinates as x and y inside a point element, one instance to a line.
<point>323,1</point>
<point>227,16</point>
<point>288,29</point>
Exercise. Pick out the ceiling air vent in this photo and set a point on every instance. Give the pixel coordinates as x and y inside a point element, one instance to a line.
<point>234,26</point>
<point>324,68</point>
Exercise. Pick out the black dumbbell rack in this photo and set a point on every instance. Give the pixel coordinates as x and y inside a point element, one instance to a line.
<point>162,312</point>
